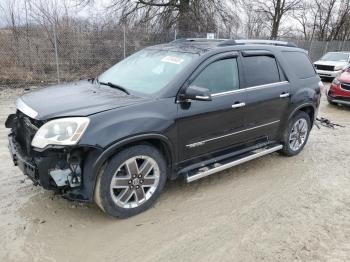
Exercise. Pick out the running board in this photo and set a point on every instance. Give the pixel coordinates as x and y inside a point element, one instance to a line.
<point>217,167</point>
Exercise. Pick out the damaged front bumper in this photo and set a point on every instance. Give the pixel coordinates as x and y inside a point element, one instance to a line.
<point>56,169</point>
<point>27,166</point>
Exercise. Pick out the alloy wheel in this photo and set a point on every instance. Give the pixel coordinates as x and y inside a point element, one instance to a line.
<point>298,134</point>
<point>135,181</point>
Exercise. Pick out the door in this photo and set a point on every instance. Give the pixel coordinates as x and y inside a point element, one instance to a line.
<point>268,94</point>
<point>208,126</point>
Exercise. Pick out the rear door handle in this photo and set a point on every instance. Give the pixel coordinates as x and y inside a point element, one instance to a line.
<point>238,105</point>
<point>284,95</point>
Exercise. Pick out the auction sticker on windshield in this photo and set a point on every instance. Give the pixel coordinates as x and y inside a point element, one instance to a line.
<point>172,59</point>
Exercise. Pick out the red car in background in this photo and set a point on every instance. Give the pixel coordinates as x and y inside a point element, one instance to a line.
<point>339,92</point>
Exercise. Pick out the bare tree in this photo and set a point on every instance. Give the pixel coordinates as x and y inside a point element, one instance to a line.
<point>185,15</point>
<point>49,14</point>
<point>325,10</point>
<point>274,11</point>
<point>13,19</point>
<point>324,20</point>
<point>307,18</point>
<point>11,15</point>
<point>340,27</point>
<point>255,24</point>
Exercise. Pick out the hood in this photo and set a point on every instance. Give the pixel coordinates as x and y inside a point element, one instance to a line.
<point>344,77</point>
<point>74,99</point>
<point>331,63</point>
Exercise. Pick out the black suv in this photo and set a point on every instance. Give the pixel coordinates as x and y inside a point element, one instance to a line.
<point>189,108</point>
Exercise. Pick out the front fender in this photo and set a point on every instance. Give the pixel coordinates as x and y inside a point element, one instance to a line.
<point>95,161</point>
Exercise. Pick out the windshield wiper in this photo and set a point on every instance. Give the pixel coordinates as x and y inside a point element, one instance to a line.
<point>115,86</point>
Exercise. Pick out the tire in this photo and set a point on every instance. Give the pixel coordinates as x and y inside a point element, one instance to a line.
<point>131,182</point>
<point>290,147</point>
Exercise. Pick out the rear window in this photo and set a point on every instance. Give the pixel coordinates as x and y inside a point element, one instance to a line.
<point>300,63</point>
<point>260,70</point>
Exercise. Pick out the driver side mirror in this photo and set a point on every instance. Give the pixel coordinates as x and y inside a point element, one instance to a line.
<point>196,93</point>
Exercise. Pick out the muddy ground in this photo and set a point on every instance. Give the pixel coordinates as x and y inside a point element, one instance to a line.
<point>270,209</point>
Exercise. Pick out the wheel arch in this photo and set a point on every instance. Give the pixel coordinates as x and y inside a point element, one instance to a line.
<point>308,108</point>
<point>157,140</point>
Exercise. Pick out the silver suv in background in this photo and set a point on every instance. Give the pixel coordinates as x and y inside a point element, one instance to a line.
<point>331,64</point>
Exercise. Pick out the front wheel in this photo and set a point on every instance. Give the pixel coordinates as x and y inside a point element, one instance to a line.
<point>297,134</point>
<point>131,181</point>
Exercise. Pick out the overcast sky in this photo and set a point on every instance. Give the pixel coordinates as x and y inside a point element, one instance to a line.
<point>96,9</point>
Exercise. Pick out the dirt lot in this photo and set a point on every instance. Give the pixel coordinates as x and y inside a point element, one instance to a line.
<point>271,209</point>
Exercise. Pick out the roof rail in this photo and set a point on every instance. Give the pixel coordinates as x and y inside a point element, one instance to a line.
<point>198,40</point>
<point>256,41</point>
<point>228,42</point>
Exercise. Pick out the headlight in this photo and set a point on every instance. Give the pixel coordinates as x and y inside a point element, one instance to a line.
<point>337,68</point>
<point>64,131</point>
<point>336,81</point>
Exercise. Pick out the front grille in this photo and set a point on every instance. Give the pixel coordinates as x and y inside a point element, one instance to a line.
<point>345,86</point>
<point>325,67</point>
<point>343,98</point>
<point>25,130</point>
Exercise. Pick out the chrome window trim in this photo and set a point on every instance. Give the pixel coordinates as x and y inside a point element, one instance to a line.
<point>25,109</point>
<point>249,88</point>
<point>266,85</point>
<point>227,92</point>
<point>200,143</point>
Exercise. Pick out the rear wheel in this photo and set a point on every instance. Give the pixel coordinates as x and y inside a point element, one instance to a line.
<point>297,134</point>
<point>131,181</point>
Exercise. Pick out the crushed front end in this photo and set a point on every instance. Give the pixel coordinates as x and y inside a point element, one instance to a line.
<point>56,168</point>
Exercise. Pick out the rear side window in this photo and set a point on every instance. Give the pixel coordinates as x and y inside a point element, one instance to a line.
<point>260,70</point>
<point>300,63</point>
<point>220,76</point>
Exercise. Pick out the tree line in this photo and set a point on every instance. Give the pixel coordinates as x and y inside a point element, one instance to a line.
<point>323,20</point>
<point>308,19</point>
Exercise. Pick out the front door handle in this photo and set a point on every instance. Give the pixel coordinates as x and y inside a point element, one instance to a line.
<point>284,95</point>
<point>238,105</point>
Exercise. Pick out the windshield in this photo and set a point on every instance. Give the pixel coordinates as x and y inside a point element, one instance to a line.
<point>341,57</point>
<point>147,71</point>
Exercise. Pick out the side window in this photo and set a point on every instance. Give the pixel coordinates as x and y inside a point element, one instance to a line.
<point>220,76</point>
<point>300,63</point>
<point>260,70</point>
